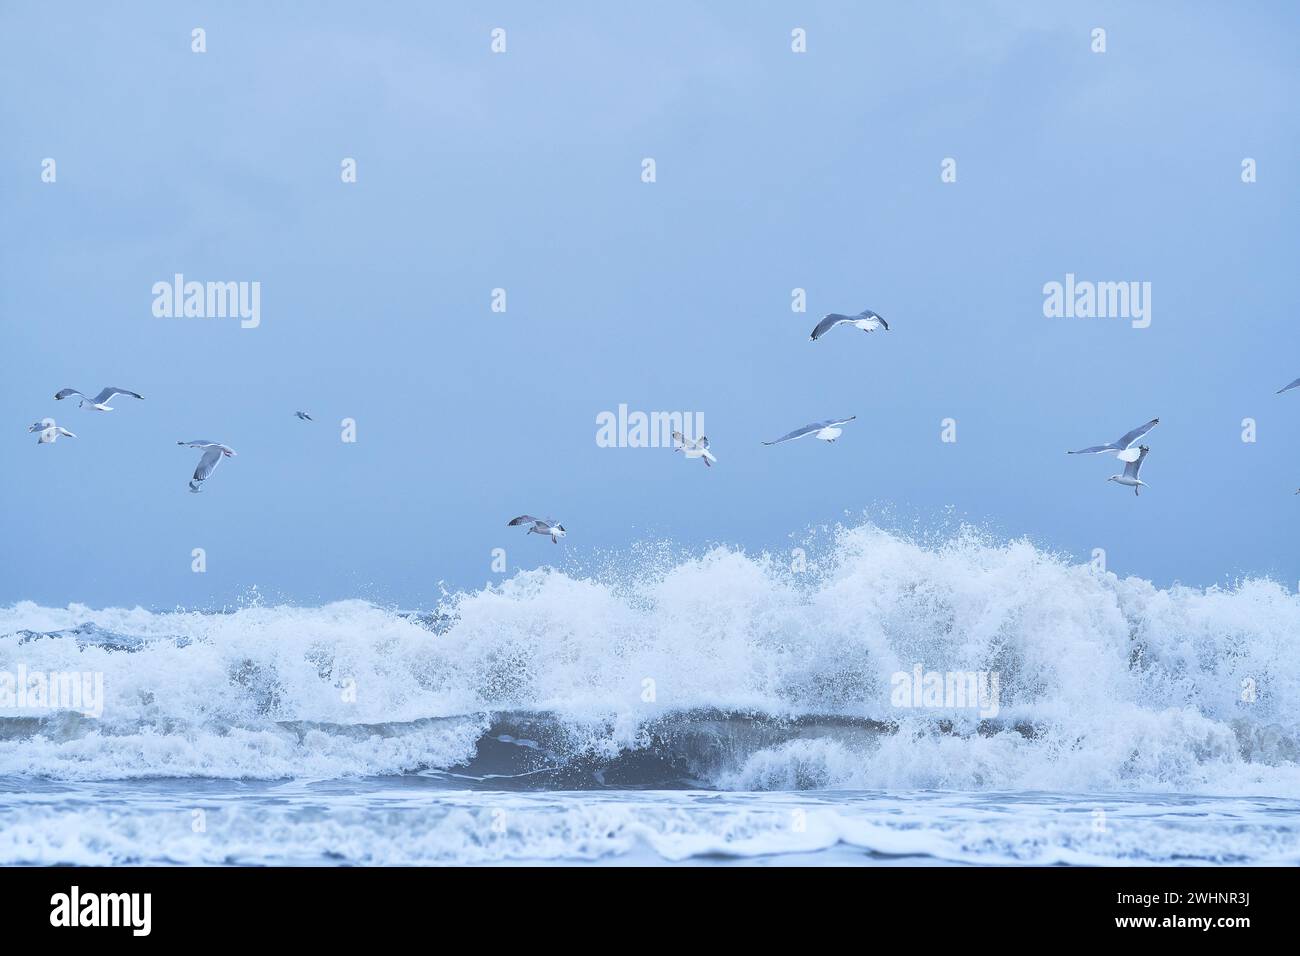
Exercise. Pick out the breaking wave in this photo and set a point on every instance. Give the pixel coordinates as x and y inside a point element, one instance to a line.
<point>722,670</point>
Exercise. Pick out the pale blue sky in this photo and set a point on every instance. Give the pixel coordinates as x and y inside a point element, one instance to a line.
<point>522,170</point>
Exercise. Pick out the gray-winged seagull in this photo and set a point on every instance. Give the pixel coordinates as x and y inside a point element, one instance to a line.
<point>212,455</point>
<point>540,526</point>
<point>866,320</point>
<point>304,416</point>
<point>1124,447</point>
<point>826,431</point>
<point>100,401</point>
<point>1131,469</point>
<point>694,448</point>
<point>50,432</point>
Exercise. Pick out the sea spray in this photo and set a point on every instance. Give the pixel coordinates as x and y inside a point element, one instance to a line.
<point>1103,683</point>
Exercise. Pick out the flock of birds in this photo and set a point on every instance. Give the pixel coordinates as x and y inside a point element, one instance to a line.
<point>1126,448</point>
<point>213,451</point>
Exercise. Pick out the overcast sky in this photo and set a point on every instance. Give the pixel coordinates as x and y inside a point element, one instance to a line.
<point>523,171</point>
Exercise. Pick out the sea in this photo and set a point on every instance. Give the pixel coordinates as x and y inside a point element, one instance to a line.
<point>717,708</point>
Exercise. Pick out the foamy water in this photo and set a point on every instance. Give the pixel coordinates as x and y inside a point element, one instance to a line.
<point>722,672</point>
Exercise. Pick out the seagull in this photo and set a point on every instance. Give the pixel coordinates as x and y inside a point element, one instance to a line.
<point>866,320</point>
<point>50,432</point>
<point>100,401</point>
<point>1122,446</point>
<point>694,448</point>
<point>212,452</point>
<point>556,531</point>
<point>1131,469</point>
<point>1288,388</point>
<point>826,431</point>
<point>304,416</point>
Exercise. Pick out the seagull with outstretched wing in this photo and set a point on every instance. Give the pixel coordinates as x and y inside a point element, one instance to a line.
<point>866,320</point>
<point>100,402</point>
<point>49,431</point>
<point>1123,446</point>
<point>1130,477</point>
<point>826,431</point>
<point>213,452</point>
<point>694,448</point>
<point>540,526</point>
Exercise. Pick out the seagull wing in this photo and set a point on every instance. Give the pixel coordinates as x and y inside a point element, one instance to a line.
<point>112,390</point>
<point>66,392</point>
<point>1136,433</point>
<point>838,421</point>
<point>208,463</point>
<point>1279,391</point>
<point>522,519</point>
<point>829,322</point>
<point>1094,450</point>
<point>798,433</point>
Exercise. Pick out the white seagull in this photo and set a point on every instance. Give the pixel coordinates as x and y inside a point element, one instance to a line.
<point>304,416</point>
<point>50,432</point>
<point>1131,469</point>
<point>100,401</point>
<point>1288,388</point>
<point>212,455</point>
<point>1124,447</point>
<point>538,526</point>
<point>694,448</point>
<point>826,431</point>
<point>866,320</point>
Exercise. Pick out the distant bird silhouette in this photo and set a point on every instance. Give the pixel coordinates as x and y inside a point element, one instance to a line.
<point>826,431</point>
<point>540,526</point>
<point>866,320</point>
<point>213,452</point>
<point>694,448</point>
<point>49,432</point>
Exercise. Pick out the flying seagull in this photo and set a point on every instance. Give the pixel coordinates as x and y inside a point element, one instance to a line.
<point>1122,446</point>
<point>826,431</point>
<point>212,453</point>
<point>50,432</point>
<point>556,531</point>
<point>694,448</point>
<point>866,320</point>
<point>1131,469</point>
<point>1289,387</point>
<point>304,416</point>
<point>100,401</point>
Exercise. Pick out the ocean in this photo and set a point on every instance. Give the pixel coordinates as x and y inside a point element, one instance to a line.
<point>717,708</point>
